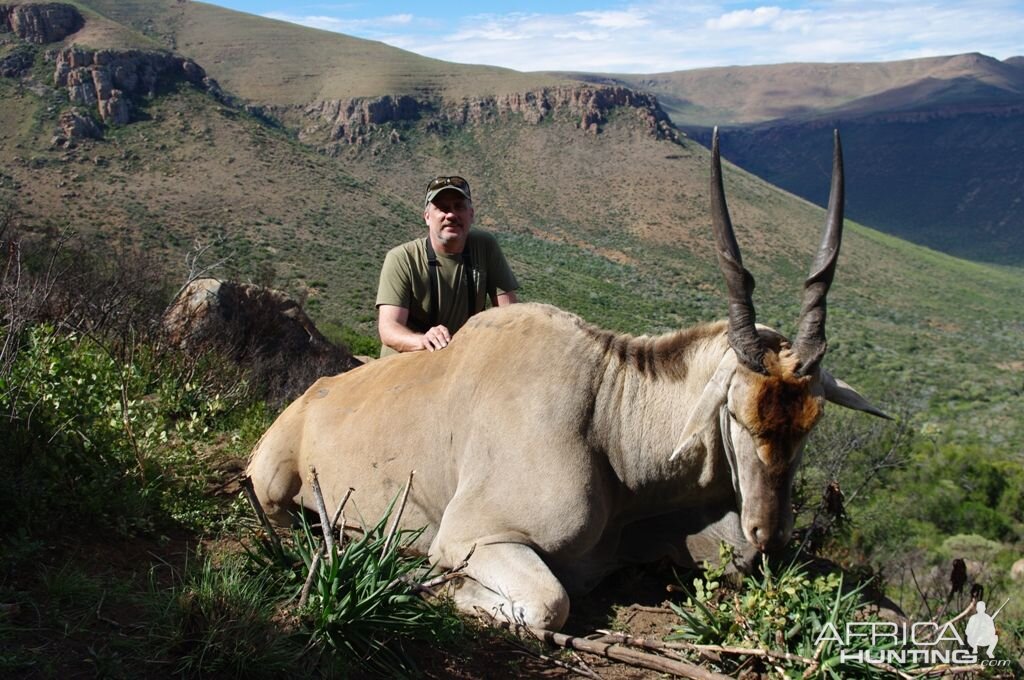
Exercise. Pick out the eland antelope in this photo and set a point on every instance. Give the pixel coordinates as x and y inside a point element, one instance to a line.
<point>562,451</point>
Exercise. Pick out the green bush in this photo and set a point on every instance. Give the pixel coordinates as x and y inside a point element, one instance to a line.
<point>784,610</point>
<point>109,442</point>
<point>363,607</point>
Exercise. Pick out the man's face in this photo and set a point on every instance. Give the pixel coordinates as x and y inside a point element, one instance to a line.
<point>449,217</point>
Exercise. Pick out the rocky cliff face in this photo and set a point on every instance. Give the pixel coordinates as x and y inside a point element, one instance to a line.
<point>42,23</point>
<point>106,79</point>
<point>109,79</point>
<point>353,121</point>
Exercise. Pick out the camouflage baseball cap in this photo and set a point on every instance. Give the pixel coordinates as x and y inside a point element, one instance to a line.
<point>439,184</point>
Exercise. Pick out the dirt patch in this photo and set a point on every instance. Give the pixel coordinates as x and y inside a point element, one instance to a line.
<point>633,600</point>
<point>76,608</point>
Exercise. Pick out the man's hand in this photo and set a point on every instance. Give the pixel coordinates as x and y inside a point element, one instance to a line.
<point>437,337</point>
<point>391,324</point>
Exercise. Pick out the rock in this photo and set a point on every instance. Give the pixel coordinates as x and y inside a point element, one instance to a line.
<point>16,63</point>
<point>75,126</point>
<point>41,23</point>
<point>115,110</point>
<point>111,79</point>
<point>1017,570</point>
<point>354,120</point>
<point>255,326</point>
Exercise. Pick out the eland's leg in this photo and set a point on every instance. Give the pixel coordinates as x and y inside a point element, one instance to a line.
<point>275,479</point>
<point>507,581</point>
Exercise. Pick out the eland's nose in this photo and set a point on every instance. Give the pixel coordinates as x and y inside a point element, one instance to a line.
<point>766,540</point>
<point>761,538</point>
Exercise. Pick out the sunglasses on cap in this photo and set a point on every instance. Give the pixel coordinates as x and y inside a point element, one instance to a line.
<point>439,184</point>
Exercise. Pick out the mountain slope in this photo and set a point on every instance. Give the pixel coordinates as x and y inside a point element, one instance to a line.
<point>609,220</point>
<point>935,144</point>
<point>294,65</point>
<point>746,95</point>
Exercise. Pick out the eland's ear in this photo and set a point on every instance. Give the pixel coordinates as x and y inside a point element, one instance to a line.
<point>838,392</point>
<point>705,413</point>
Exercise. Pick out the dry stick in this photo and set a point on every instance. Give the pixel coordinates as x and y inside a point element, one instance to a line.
<point>920,592</point>
<point>583,664</point>
<point>426,589</point>
<point>314,566</point>
<point>946,669</point>
<point>126,421</point>
<point>935,631</point>
<point>338,515</point>
<point>325,525</point>
<point>102,618</point>
<point>250,493</point>
<point>394,522</point>
<point>580,670</point>
<point>453,573</point>
<point>616,652</point>
<point>815,660</point>
<point>631,641</point>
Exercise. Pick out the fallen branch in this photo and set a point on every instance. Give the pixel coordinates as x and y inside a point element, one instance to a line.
<point>650,610</point>
<point>946,669</point>
<point>453,573</point>
<point>613,651</point>
<point>815,660</point>
<point>749,652</point>
<point>314,567</point>
<point>250,494</point>
<point>398,517</point>
<point>579,670</point>
<point>629,640</point>
<point>427,587</point>
<point>338,514</point>
<point>325,524</point>
<point>100,617</point>
<point>935,630</point>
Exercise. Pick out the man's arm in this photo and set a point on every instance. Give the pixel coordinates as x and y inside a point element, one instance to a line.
<point>503,299</point>
<point>391,325</point>
<point>500,279</point>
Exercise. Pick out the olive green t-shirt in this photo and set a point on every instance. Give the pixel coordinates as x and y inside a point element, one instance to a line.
<point>405,279</point>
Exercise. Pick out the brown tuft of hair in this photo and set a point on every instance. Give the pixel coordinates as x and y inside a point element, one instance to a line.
<point>661,357</point>
<point>781,408</point>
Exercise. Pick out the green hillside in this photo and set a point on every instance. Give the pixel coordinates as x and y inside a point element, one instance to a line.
<point>294,65</point>
<point>749,95</point>
<point>935,142</point>
<point>609,220</point>
<point>631,254</point>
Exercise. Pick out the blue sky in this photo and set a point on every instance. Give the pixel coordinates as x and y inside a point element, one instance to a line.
<point>650,36</point>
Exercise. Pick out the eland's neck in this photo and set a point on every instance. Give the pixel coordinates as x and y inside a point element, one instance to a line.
<point>645,396</point>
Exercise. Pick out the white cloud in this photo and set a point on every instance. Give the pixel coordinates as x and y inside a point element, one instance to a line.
<point>338,25</point>
<point>615,20</point>
<point>650,36</point>
<point>744,18</point>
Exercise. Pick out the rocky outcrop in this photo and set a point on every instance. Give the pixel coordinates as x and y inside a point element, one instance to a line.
<point>75,126</point>
<point>110,79</point>
<point>353,120</point>
<point>17,62</point>
<point>41,23</point>
<point>258,327</point>
<point>590,106</point>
